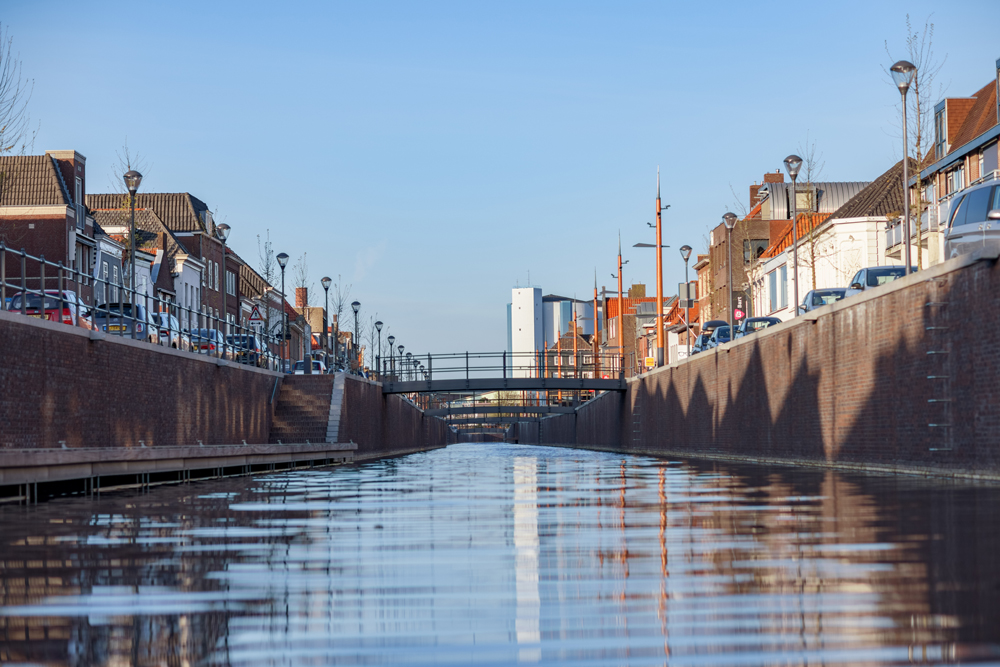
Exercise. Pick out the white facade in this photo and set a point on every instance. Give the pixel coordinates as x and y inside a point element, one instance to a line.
<point>526,333</point>
<point>187,285</point>
<point>839,249</point>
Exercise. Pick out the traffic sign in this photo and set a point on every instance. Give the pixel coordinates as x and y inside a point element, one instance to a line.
<point>255,315</point>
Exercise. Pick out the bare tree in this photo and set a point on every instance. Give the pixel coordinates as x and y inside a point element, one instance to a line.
<point>15,93</point>
<point>300,276</point>
<point>341,297</point>
<point>268,269</point>
<point>812,167</point>
<point>126,160</point>
<point>16,135</point>
<point>920,109</point>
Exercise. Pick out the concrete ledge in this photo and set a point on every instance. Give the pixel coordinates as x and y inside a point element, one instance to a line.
<point>29,466</point>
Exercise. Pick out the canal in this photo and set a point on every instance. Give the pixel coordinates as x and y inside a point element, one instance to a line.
<point>504,554</point>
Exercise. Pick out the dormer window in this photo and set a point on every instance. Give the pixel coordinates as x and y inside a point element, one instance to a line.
<point>940,131</point>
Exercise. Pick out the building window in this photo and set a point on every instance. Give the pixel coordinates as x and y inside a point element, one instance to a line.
<point>215,270</point>
<point>230,283</point>
<point>939,133</point>
<point>772,289</point>
<point>783,286</point>
<point>81,210</point>
<point>753,249</point>
<point>204,278</point>
<point>114,288</point>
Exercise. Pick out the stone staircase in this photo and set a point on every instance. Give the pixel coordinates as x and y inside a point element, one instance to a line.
<point>308,409</point>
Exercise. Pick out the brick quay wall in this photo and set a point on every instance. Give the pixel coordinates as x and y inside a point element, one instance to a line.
<point>62,385</point>
<point>905,378</point>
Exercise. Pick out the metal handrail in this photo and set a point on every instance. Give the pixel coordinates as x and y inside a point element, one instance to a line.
<point>230,342</point>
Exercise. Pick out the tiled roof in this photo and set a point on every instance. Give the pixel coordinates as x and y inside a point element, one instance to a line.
<point>806,223</point>
<point>881,199</point>
<point>980,118</point>
<point>629,305</point>
<point>148,226</point>
<point>180,211</point>
<point>31,180</point>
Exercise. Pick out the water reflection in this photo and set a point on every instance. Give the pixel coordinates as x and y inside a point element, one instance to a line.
<point>502,554</point>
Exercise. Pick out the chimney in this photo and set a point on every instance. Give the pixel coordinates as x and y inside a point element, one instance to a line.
<point>301,297</point>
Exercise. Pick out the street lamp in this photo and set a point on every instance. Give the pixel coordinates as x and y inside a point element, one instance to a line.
<point>792,164</point>
<point>222,232</point>
<point>282,262</point>
<point>132,181</point>
<point>903,74</point>
<point>378,359</point>
<point>356,306</point>
<point>392,359</point>
<point>730,220</point>
<point>409,364</point>
<point>326,282</point>
<point>686,254</point>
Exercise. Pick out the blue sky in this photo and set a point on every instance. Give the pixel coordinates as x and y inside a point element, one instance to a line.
<point>434,154</point>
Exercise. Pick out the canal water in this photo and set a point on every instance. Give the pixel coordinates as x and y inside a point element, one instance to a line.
<point>503,554</point>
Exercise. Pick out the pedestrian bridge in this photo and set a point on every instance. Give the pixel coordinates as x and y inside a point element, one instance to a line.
<point>551,370</point>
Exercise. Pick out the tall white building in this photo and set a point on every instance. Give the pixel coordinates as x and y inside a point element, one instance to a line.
<point>535,322</point>
<point>525,328</point>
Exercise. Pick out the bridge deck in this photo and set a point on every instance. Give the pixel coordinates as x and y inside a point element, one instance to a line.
<point>508,410</point>
<point>503,384</point>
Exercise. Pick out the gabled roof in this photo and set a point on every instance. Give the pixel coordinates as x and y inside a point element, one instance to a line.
<point>148,228</point>
<point>806,223</point>
<point>32,180</point>
<point>882,199</point>
<point>180,211</point>
<point>981,117</point>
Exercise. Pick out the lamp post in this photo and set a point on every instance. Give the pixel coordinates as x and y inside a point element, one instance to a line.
<point>222,232</point>
<point>792,164</point>
<point>730,220</point>
<point>392,363</point>
<point>903,73</point>
<point>326,282</point>
<point>409,364</point>
<point>356,306</point>
<point>282,262</point>
<point>400,349</point>
<point>132,181</point>
<point>686,254</point>
<point>378,359</point>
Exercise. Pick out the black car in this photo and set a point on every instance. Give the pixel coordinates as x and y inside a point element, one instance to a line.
<point>701,342</point>
<point>753,324</point>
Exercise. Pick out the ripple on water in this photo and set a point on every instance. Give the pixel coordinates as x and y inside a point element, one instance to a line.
<point>506,554</point>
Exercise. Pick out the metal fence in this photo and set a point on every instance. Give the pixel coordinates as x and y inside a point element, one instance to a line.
<point>552,363</point>
<point>36,287</point>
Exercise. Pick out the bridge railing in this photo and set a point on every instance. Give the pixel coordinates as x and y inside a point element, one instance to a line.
<point>553,363</point>
<point>33,286</point>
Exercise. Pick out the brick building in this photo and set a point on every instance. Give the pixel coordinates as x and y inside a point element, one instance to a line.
<point>42,210</point>
<point>192,226</point>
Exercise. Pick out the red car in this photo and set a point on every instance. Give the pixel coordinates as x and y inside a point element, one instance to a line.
<point>74,312</point>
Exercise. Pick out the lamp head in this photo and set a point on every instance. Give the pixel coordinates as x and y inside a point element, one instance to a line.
<point>326,282</point>
<point>132,181</point>
<point>792,165</point>
<point>409,356</point>
<point>356,306</point>
<point>378,326</point>
<point>401,348</point>
<point>282,260</point>
<point>903,74</point>
<point>222,231</point>
<point>729,219</point>
<point>391,339</point>
<point>686,252</point>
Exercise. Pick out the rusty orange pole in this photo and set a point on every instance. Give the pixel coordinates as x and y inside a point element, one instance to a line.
<point>559,372</point>
<point>597,342</point>
<point>621,312</point>
<point>659,276</point>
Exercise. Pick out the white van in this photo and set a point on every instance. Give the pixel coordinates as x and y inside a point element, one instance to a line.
<point>974,220</point>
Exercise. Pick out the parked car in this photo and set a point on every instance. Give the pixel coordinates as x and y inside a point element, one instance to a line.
<point>873,277</point>
<point>719,336</point>
<point>119,318</point>
<point>171,334</point>
<point>701,341</point>
<point>318,367</point>
<point>754,324</point>
<point>247,350</point>
<point>818,298</point>
<point>210,342</point>
<point>74,311</point>
<point>974,220</point>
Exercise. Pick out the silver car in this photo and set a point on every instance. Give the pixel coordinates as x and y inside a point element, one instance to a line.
<point>974,220</point>
<point>875,276</point>
<point>170,332</point>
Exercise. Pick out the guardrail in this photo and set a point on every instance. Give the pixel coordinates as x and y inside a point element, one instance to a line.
<point>35,287</point>
<point>551,363</point>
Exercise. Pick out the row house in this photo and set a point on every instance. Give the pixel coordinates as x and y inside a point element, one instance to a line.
<point>965,153</point>
<point>192,226</point>
<point>43,211</point>
<point>621,356</point>
<point>832,247</point>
